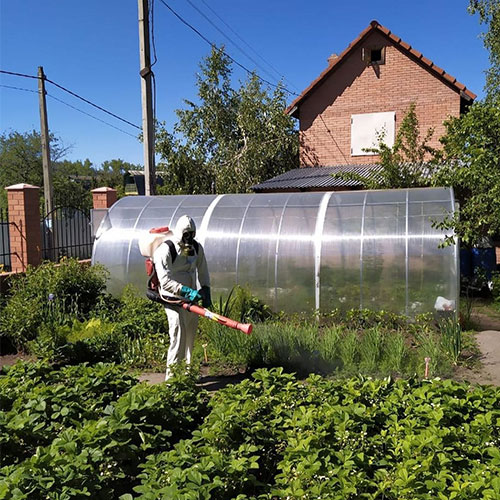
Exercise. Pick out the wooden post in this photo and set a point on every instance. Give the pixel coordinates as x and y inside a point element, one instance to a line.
<point>148,131</point>
<point>44,131</point>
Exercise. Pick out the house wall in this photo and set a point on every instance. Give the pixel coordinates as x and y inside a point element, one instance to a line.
<point>325,116</point>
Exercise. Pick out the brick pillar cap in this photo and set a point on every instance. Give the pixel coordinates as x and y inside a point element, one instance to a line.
<point>17,187</point>
<point>102,190</point>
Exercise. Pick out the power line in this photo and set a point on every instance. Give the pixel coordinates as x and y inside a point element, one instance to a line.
<point>74,95</point>
<point>246,43</point>
<point>18,74</point>
<point>228,38</point>
<point>92,104</point>
<point>91,116</point>
<point>18,88</point>
<point>191,27</point>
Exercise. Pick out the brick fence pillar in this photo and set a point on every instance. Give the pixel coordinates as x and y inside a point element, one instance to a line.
<point>103,197</point>
<point>24,226</point>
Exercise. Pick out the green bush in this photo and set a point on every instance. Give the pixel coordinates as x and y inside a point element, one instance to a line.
<point>138,316</point>
<point>50,294</point>
<point>88,341</point>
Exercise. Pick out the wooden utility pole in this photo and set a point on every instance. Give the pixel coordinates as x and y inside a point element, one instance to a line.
<point>148,131</point>
<point>44,131</point>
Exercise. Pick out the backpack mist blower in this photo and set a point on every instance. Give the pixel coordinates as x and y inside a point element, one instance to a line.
<point>147,246</point>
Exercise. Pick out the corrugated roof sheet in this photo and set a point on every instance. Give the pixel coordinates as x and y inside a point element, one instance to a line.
<point>316,178</point>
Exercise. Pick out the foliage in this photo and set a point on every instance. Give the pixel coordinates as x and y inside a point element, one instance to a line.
<point>39,402</point>
<point>138,315</point>
<point>231,139</point>
<point>21,159</point>
<point>489,14</point>
<point>50,294</point>
<point>274,437</point>
<point>406,164</point>
<point>93,433</point>
<point>471,164</point>
<point>112,174</point>
<point>495,290</point>
<point>88,341</point>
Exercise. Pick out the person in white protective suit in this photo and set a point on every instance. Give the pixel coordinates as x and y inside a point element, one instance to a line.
<point>179,264</point>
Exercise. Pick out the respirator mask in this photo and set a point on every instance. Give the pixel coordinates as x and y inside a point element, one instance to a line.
<point>187,243</point>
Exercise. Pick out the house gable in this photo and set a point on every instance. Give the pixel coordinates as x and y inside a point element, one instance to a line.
<point>351,86</point>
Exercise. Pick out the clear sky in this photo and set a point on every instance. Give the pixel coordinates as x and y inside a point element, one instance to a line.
<point>91,47</point>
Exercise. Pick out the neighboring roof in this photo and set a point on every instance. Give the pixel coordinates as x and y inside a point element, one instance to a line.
<point>308,178</point>
<point>141,172</point>
<point>375,26</point>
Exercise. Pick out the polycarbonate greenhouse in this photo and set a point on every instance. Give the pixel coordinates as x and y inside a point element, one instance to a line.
<point>302,251</point>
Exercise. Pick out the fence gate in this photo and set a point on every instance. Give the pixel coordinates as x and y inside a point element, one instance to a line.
<point>66,232</point>
<point>4,241</point>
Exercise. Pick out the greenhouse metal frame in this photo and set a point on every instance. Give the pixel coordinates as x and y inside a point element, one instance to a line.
<point>376,249</point>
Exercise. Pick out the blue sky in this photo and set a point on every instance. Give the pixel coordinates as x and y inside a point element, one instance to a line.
<point>91,47</point>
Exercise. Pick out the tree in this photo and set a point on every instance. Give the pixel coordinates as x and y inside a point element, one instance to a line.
<point>21,159</point>
<point>231,139</point>
<point>408,163</point>
<point>112,174</point>
<point>471,155</point>
<point>72,182</point>
<point>471,164</point>
<point>489,14</point>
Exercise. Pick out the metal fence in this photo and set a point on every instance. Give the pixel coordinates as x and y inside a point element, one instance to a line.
<point>66,232</point>
<point>5,263</point>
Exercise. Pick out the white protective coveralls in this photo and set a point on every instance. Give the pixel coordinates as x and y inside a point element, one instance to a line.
<point>182,324</point>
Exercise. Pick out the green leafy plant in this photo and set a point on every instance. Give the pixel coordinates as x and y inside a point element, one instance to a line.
<point>50,294</point>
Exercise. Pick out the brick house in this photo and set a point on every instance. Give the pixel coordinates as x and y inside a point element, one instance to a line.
<point>366,89</point>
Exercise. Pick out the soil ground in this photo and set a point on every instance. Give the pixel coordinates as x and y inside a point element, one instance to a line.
<point>487,325</point>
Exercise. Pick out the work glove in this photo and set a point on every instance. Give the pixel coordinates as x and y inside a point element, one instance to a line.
<point>206,300</point>
<point>190,294</point>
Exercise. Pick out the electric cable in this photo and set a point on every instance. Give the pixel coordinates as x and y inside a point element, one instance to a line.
<point>18,74</point>
<point>74,95</point>
<point>229,38</point>
<point>203,37</point>
<point>282,77</point>
<point>91,116</point>
<point>18,88</point>
<point>92,104</point>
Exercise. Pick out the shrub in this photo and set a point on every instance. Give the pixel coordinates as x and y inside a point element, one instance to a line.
<point>50,294</point>
<point>88,341</point>
<point>138,316</point>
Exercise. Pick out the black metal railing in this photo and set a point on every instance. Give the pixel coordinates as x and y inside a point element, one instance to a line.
<point>5,262</point>
<point>66,232</point>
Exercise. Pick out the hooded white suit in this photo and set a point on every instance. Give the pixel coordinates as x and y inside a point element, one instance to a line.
<point>184,271</point>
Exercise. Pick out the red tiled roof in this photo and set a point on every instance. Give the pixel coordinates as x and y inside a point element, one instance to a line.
<point>374,25</point>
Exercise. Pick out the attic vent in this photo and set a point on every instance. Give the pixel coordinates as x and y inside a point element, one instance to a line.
<point>373,55</point>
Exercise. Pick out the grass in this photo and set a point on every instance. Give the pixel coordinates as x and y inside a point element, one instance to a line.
<point>307,348</point>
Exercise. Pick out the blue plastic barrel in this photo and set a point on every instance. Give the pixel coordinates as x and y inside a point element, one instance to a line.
<point>465,263</point>
<point>485,260</point>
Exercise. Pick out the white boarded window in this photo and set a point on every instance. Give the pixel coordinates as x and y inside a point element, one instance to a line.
<point>365,130</point>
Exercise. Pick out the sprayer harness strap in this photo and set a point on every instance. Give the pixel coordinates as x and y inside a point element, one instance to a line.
<point>173,251</point>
